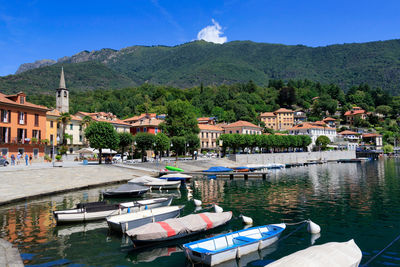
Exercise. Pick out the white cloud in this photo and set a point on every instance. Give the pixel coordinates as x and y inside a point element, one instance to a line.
<point>212,33</point>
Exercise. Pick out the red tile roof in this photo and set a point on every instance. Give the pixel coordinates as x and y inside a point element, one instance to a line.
<point>141,116</point>
<point>310,125</point>
<point>354,112</point>
<point>147,122</point>
<point>347,132</point>
<point>281,110</point>
<point>267,114</point>
<point>371,135</point>
<point>329,119</point>
<point>8,99</point>
<point>209,127</point>
<point>241,124</point>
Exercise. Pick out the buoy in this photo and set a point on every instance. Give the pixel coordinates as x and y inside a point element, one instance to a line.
<point>247,220</point>
<point>313,228</point>
<point>197,209</point>
<point>218,209</point>
<point>197,202</point>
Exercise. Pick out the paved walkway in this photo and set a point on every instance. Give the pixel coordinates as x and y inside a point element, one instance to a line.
<point>9,256</point>
<point>20,183</point>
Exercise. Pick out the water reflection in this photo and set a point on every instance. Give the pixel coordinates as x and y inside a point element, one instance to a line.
<point>346,200</point>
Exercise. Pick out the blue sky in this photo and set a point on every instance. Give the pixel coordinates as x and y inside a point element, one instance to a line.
<point>31,30</point>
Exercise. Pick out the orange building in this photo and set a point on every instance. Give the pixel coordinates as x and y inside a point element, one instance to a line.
<point>281,119</point>
<point>22,126</point>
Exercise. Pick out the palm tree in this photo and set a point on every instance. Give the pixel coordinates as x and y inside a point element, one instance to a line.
<point>86,121</point>
<point>64,119</point>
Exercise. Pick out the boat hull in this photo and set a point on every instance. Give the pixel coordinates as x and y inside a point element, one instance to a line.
<point>124,194</point>
<point>128,225</point>
<point>173,186</point>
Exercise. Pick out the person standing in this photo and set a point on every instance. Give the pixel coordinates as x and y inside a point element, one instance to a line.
<point>18,158</point>
<point>12,160</point>
<point>30,159</point>
<point>26,159</point>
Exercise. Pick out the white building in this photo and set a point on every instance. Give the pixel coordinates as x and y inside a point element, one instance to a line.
<point>314,130</point>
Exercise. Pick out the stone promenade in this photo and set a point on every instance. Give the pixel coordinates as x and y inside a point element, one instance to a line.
<point>9,256</point>
<point>20,183</point>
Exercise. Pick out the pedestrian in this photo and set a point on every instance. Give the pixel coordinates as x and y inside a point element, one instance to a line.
<point>12,160</point>
<point>26,159</point>
<point>18,158</point>
<point>30,159</point>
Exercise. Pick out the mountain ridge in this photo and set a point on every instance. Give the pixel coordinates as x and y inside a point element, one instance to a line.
<point>376,63</point>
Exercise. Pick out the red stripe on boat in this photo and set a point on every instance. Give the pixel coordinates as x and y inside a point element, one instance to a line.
<point>166,227</point>
<point>207,220</point>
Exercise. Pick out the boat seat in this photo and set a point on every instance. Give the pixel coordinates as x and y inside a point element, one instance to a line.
<point>201,250</point>
<point>245,239</point>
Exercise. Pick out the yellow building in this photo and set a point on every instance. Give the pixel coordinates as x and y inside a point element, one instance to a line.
<point>51,126</point>
<point>281,119</point>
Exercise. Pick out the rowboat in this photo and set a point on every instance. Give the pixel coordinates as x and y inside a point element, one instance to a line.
<point>126,190</point>
<point>128,221</point>
<point>155,183</point>
<point>344,254</point>
<point>176,177</point>
<point>226,247</point>
<point>172,168</point>
<point>100,210</point>
<point>177,228</point>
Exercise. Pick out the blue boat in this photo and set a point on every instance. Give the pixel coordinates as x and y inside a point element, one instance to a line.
<point>218,169</point>
<point>226,247</point>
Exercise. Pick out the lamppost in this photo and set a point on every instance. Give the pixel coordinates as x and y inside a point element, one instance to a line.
<point>58,140</point>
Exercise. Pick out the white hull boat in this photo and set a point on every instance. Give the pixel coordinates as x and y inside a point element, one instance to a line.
<point>100,210</point>
<point>128,221</point>
<point>345,254</point>
<point>227,247</point>
<point>155,183</point>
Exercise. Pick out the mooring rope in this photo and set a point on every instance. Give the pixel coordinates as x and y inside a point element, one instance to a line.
<point>297,223</point>
<point>297,229</point>
<point>380,252</point>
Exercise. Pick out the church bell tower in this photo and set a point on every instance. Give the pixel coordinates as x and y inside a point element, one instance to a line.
<point>62,95</point>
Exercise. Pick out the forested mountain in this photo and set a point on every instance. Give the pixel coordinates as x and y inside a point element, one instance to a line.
<point>190,64</point>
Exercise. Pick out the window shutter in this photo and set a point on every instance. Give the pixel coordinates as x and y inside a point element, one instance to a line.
<point>26,118</point>
<point>9,116</point>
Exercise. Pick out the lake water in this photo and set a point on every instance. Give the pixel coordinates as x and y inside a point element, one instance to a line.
<point>359,201</point>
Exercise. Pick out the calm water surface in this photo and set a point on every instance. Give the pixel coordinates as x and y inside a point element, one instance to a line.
<point>359,201</point>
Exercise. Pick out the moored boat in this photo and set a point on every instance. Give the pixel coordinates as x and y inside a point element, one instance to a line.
<point>226,247</point>
<point>176,177</point>
<point>155,183</point>
<point>100,210</point>
<point>128,221</point>
<point>177,228</point>
<point>344,254</point>
<point>126,190</point>
<point>172,168</point>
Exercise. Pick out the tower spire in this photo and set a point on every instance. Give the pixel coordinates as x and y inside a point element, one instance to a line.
<point>62,80</point>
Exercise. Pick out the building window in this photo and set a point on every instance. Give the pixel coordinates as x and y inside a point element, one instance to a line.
<point>138,130</point>
<point>21,151</point>
<point>237,131</point>
<point>206,135</point>
<point>58,93</point>
<point>80,138</point>
<point>70,126</point>
<point>156,130</point>
<point>4,115</point>
<point>35,153</point>
<point>65,94</point>
<point>51,124</point>
<point>36,119</point>
<point>144,129</point>
<point>80,127</point>
<point>51,139</point>
<point>230,132</point>
<point>22,100</point>
<point>21,116</point>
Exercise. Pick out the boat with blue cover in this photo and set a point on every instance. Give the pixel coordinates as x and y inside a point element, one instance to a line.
<point>176,177</point>
<point>226,247</point>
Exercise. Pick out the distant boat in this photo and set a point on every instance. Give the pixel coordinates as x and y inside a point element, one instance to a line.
<point>172,168</point>
<point>176,177</point>
<point>92,211</point>
<point>345,254</point>
<point>218,169</point>
<point>155,183</point>
<point>226,247</point>
<point>126,190</point>
<point>128,221</point>
<point>177,228</point>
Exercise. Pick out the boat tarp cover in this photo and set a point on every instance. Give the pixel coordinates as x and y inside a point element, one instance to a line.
<point>218,169</point>
<point>145,180</point>
<point>128,188</point>
<point>188,224</point>
<point>345,254</point>
<point>176,175</point>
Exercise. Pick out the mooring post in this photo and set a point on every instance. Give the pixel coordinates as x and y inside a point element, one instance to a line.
<point>246,176</point>
<point>231,176</point>
<point>264,176</point>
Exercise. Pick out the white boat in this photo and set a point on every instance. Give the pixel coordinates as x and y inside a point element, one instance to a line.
<point>128,221</point>
<point>227,247</point>
<point>333,254</point>
<point>100,210</point>
<point>155,183</point>
<point>176,177</point>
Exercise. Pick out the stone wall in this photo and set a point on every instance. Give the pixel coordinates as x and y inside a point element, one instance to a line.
<point>294,157</point>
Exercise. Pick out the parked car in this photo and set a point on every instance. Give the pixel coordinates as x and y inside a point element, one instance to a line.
<point>4,162</point>
<point>119,158</point>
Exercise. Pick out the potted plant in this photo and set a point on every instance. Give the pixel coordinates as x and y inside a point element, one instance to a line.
<point>44,141</point>
<point>47,158</point>
<point>34,140</point>
<point>58,161</point>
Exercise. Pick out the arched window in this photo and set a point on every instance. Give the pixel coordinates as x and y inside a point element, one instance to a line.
<point>65,94</point>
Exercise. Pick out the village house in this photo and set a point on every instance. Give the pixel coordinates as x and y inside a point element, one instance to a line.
<point>22,126</point>
<point>314,130</point>
<point>279,120</point>
<point>207,120</point>
<point>299,116</point>
<point>119,125</point>
<point>353,113</point>
<point>241,127</point>
<point>331,122</point>
<point>134,119</point>
<point>371,141</point>
<point>208,136</point>
<point>52,130</point>
<point>351,138</point>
